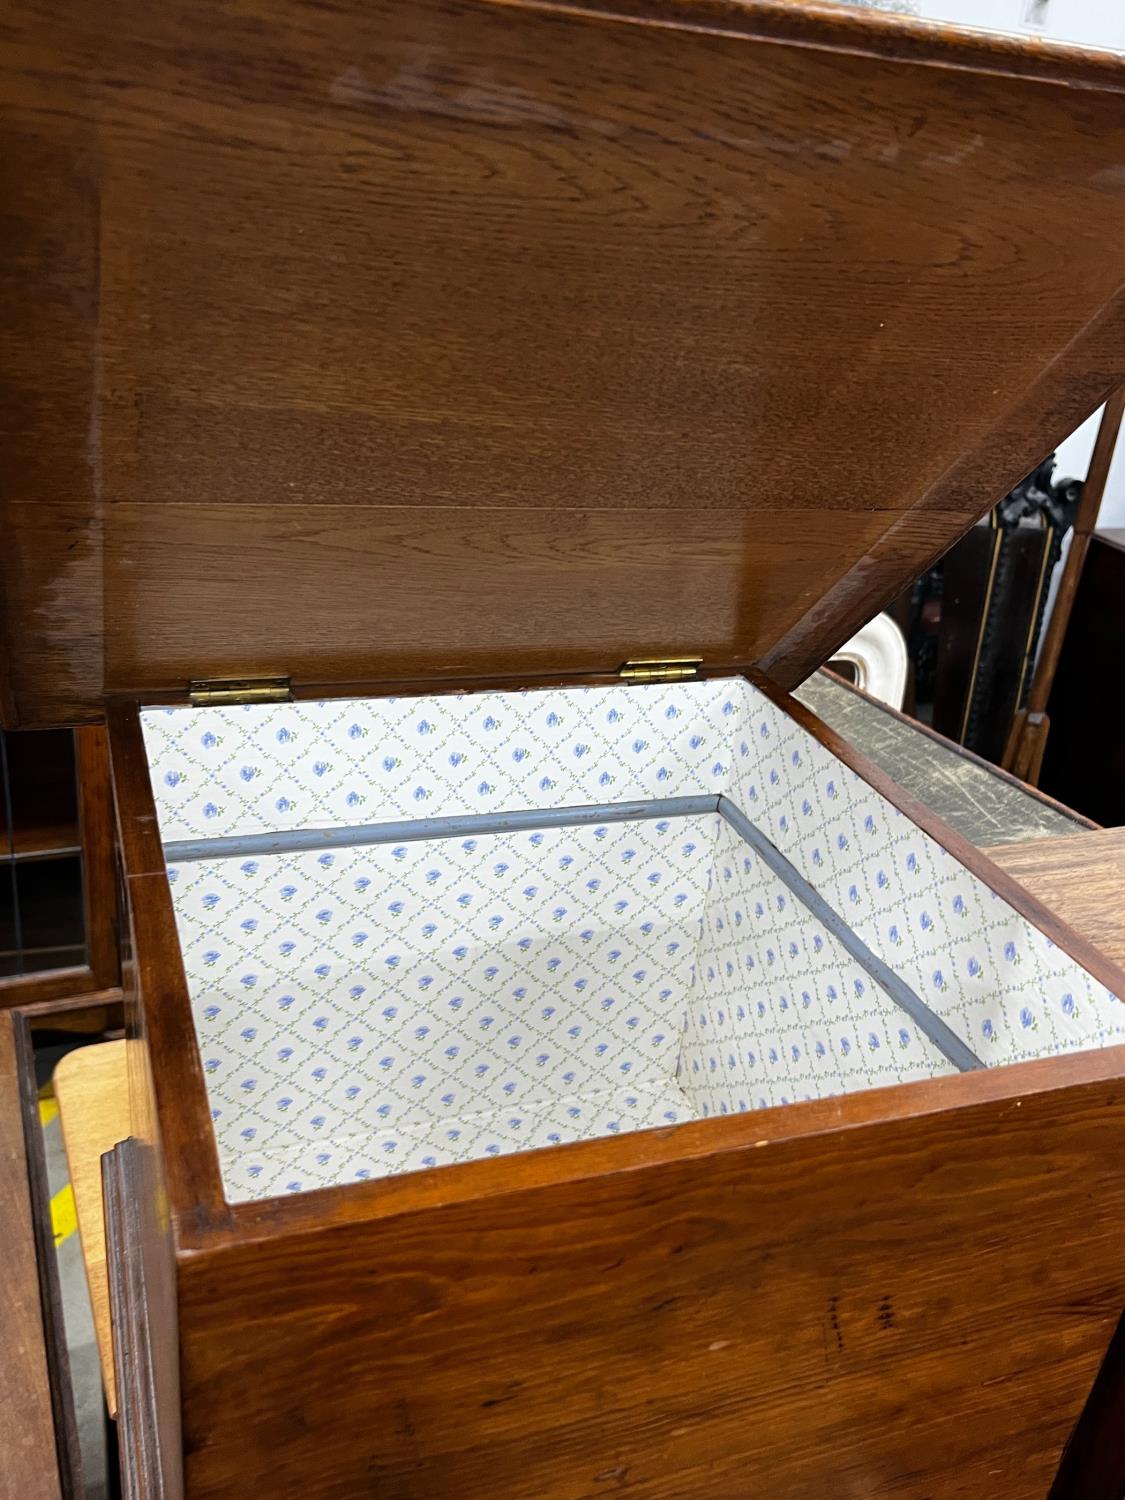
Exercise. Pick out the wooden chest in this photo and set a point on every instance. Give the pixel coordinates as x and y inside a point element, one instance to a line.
<point>438,436</point>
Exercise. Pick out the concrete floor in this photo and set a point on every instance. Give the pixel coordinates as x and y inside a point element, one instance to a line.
<point>85,1367</point>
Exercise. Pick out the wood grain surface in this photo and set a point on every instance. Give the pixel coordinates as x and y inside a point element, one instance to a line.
<point>28,1463</point>
<point>462,339</point>
<point>143,1345</point>
<point>1082,880</point>
<point>92,1090</point>
<point>911,1308</point>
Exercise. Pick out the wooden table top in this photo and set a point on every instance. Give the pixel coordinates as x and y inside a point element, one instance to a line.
<point>92,1091</point>
<point>1081,877</point>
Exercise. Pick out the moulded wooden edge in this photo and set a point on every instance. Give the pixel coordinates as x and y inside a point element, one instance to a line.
<point>158,1015</point>
<point>204,1219</point>
<point>138,1425</point>
<point>840,28</point>
<point>99,864</point>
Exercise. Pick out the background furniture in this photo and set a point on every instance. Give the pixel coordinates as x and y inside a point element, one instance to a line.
<point>877,657</point>
<point>58,872</point>
<point>1084,761</point>
<point>988,806</point>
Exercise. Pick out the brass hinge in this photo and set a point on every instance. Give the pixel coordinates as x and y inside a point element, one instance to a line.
<point>218,691</point>
<point>661,669</point>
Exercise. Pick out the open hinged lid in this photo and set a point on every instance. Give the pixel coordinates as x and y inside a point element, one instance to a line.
<point>462,340</point>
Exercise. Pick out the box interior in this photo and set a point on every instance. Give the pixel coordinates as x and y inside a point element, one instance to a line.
<point>364,1008</point>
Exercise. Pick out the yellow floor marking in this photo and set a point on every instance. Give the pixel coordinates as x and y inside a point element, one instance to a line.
<point>64,1219</point>
<point>48,1109</point>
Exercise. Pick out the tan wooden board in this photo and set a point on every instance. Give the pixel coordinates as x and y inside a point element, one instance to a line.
<point>1080,877</point>
<point>92,1090</point>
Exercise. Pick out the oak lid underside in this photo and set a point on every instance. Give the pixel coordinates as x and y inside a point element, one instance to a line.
<point>451,342</point>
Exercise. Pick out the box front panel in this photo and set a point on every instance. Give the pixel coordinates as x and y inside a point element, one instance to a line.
<point>916,1307</point>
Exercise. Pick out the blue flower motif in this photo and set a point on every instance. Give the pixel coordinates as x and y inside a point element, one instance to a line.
<point>172,778</point>
<point>1010,952</point>
<point>208,741</point>
<point>1026,1018</point>
<point>973,967</point>
<point>1068,1005</point>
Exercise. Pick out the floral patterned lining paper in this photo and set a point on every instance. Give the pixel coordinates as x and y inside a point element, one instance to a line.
<point>363,1011</point>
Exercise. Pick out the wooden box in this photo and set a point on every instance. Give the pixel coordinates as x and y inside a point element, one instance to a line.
<point>488,411</point>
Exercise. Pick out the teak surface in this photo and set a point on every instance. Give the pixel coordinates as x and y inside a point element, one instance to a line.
<point>28,1464</point>
<point>459,340</point>
<point>92,1089</point>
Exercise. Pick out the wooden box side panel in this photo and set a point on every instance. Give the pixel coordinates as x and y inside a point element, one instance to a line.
<point>909,1308</point>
